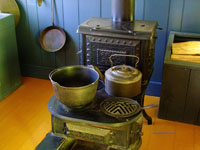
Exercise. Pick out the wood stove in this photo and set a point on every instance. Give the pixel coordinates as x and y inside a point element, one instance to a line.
<point>92,128</point>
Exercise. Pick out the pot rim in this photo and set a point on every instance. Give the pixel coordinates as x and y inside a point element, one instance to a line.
<point>77,66</point>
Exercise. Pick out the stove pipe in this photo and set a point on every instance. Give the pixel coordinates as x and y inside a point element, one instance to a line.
<point>123,10</point>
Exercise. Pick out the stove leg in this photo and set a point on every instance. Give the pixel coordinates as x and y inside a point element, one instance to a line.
<point>141,102</point>
<point>147,117</point>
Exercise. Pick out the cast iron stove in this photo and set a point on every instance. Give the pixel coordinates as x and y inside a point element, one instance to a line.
<point>95,128</point>
<point>106,124</point>
<point>101,38</point>
<point>99,126</point>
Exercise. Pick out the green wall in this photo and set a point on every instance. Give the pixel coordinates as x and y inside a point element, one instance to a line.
<point>176,15</point>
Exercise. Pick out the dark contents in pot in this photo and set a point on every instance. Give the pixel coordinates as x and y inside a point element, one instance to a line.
<point>71,82</point>
<point>75,78</point>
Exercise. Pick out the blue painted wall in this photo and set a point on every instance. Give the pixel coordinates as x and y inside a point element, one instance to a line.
<point>176,15</point>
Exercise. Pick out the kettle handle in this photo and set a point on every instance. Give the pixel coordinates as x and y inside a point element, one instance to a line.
<point>133,56</point>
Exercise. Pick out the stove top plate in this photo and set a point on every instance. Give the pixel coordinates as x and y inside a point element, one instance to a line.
<point>138,27</point>
<point>99,24</point>
<point>92,113</point>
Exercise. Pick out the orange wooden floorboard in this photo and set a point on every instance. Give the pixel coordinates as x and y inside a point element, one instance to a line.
<point>24,116</point>
<point>25,120</point>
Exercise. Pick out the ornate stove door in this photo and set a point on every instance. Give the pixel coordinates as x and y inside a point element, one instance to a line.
<point>98,50</point>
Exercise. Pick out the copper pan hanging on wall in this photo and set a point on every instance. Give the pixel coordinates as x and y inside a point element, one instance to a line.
<point>52,38</point>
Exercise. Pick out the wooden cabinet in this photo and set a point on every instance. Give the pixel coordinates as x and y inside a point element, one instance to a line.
<point>180,93</point>
<point>10,77</point>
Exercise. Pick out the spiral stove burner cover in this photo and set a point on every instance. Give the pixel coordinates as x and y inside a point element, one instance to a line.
<point>120,107</point>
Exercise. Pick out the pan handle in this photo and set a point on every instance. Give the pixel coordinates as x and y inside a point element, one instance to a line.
<point>150,106</point>
<point>52,11</point>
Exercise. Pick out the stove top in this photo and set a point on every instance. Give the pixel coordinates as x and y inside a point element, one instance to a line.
<point>92,127</point>
<point>92,113</point>
<point>104,25</point>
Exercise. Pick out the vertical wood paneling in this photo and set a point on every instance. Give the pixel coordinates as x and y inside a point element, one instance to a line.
<point>89,8</point>
<point>59,13</point>
<point>175,15</point>
<point>34,51</point>
<point>192,104</point>
<point>45,20</point>
<point>139,9</point>
<point>106,8</point>
<point>59,21</point>
<point>159,56</point>
<point>22,32</point>
<point>70,25</point>
<point>191,16</point>
<point>158,10</point>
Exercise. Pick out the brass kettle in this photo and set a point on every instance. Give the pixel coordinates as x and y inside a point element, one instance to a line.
<point>123,80</point>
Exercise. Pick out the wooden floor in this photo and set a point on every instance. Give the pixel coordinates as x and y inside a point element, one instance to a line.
<point>25,120</point>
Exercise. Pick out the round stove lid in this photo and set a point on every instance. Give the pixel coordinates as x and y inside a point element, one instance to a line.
<point>120,107</point>
<point>99,24</point>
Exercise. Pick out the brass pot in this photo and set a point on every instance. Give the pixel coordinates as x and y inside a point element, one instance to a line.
<point>123,80</point>
<point>74,86</point>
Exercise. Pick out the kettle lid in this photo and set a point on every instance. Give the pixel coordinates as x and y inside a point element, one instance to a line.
<point>124,72</point>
